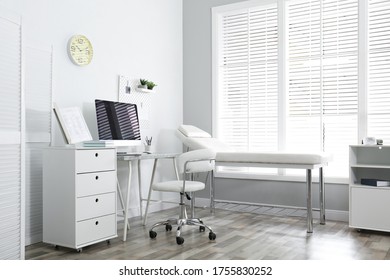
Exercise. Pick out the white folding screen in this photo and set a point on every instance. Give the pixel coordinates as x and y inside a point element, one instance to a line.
<point>11,139</point>
<point>38,103</point>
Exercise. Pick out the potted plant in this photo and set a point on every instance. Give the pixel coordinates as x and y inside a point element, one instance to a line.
<point>143,83</point>
<point>150,85</point>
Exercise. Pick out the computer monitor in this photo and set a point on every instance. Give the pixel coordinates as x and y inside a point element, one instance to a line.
<point>118,122</point>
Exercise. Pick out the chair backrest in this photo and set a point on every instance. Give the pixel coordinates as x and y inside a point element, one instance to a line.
<point>194,138</point>
<point>202,160</point>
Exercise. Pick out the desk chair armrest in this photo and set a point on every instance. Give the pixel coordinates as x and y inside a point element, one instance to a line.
<point>206,167</point>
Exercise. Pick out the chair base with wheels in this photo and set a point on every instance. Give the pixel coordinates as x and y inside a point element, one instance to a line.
<point>183,220</point>
<point>189,163</point>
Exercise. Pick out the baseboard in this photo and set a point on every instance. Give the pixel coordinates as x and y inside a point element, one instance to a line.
<point>337,215</point>
<point>333,215</point>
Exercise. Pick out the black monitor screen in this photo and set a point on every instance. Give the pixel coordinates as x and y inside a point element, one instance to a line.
<point>117,121</point>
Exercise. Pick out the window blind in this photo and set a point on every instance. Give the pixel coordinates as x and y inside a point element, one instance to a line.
<point>248,75</point>
<point>323,83</point>
<point>378,97</point>
<point>320,104</point>
<point>11,155</point>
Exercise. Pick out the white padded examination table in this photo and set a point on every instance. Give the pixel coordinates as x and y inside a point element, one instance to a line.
<point>195,138</point>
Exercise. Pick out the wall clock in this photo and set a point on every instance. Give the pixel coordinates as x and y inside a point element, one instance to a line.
<point>80,50</point>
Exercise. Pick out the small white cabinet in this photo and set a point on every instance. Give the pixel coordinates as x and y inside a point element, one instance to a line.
<point>369,206</point>
<point>79,196</point>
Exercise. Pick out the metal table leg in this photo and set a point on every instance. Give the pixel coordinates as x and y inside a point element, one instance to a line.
<point>127,204</point>
<point>150,192</point>
<point>322,196</point>
<point>212,192</point>
<point>192,202</point>
<point>121,199</point>
<point>308,202</point>
<point>140,188</point>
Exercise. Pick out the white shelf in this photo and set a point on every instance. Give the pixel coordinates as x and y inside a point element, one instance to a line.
<point>370,166</point>
<point>369,146</point>
<point>144,90</point>
<point>368,187</point>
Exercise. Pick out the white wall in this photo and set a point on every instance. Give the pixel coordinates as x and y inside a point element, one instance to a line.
<point>137,38</point>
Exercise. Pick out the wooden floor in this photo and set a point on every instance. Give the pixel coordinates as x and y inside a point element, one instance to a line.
<point>243,233</point>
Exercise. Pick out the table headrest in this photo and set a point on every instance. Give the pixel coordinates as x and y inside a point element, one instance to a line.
<point>193,131</point>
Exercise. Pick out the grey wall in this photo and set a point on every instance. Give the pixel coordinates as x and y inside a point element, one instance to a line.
<point>280,193</point>
<point>197,60</point>
<point>197,111</point>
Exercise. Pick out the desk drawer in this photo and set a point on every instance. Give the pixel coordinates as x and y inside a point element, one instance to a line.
<point>95,160</point>
<point>94,206</point>
<point>95,183</point>
<point>95,229</point>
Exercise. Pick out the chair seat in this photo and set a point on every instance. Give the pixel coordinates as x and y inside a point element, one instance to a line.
<point>177,186</point>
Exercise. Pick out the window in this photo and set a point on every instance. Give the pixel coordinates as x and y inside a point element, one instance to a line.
<point>322,92</point>
<point>312,95</point>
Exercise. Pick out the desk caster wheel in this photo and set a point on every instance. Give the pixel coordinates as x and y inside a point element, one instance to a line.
<point>202,229</point>
<point>79,250</point>
<point>212,235</point>
<point>108,242</point>
<point>168,228</point>
<point>152,234</point>
<point>179,240</point>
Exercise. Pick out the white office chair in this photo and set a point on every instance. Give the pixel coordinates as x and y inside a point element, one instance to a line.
<point>188,163</point>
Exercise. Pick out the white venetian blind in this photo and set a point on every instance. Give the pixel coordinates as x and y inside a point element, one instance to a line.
<point>11,175</point>
<point>322,89</point>
<point>378,106</point>
<point>247,80</point>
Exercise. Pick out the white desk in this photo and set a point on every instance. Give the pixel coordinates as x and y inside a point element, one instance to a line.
<point>130,159</point>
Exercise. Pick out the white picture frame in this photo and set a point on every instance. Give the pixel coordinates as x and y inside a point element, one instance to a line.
<point>72,124</point>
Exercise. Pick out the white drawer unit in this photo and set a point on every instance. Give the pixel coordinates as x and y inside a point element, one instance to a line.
<point>369,206</point>
<point>96,229</point>
<point>79,196</point>
<point>95,183</point>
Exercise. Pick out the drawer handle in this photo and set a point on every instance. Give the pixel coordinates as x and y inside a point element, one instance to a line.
<point>97,177</point>
<point>96,154</point>
<point>97,200</point>
<point>96,223</point>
